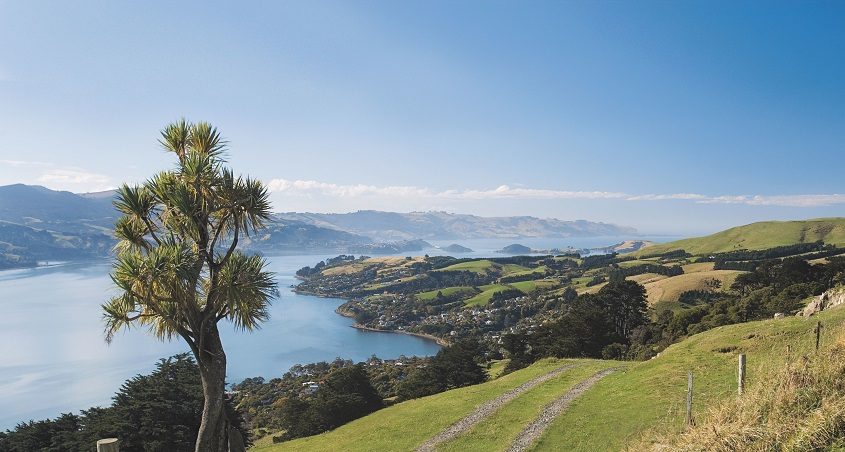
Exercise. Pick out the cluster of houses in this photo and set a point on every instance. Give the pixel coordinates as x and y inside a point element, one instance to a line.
<point>486,323</point>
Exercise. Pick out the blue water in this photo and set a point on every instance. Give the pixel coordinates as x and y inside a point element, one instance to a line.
<point>53,358</point>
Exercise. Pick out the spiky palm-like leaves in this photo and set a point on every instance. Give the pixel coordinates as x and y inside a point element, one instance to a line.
<point>178,268</point>
<point>177,264</point>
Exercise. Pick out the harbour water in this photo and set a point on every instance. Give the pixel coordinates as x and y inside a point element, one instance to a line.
<point>55,360</point>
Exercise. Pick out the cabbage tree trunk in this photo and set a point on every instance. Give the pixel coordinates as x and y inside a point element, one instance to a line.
<point>211,359</point>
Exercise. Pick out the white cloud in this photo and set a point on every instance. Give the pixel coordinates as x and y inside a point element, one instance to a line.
<point>507,192</point>
<point>306,187</point>
<point>22,163</point>
<point>75,179</point>
<point>311,187</point>
<point>781,200</point>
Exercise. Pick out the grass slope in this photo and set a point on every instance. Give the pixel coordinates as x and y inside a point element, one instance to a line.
<point>406,425</point>
<point>539,271</point>
<point>489,290</point>
<point>483,266</point>
<point>498,431</point>
<point>799,407</point>
<point>447,291</point>
<point>651,395</point>
<point>646,278</point>
<point>758,236</point>
<point>486,294</point>
<point>613,414</point>
<point>669,289</point>
<point>531,286</point>
<point>478,266</point>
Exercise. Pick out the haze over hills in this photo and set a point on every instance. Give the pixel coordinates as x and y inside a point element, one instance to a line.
<point>38,224</point>
<point>40,207</point>
<point>447,226</point>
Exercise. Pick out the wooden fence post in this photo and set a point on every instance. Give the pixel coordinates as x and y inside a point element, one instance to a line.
<point>108,445</point>
<point>741,375</point>
<point>818,334</point>
<point>688,420</point>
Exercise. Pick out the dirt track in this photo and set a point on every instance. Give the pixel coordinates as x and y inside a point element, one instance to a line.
<point>488,408</point>
<point>536,428</point>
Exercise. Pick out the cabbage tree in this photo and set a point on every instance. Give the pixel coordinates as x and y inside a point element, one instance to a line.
<point>178,267</point>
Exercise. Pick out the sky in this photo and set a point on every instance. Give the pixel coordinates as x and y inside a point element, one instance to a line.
<point>672,117</point>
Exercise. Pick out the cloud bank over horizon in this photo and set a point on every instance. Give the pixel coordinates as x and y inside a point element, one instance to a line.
<point>678,213</point>
<point>311,187</point>
<point>671,213</point>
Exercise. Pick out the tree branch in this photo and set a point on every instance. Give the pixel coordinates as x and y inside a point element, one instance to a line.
<point>231,247</point>
<point>134,318</point>
<point>190,340</point>
<point>218,232</point>
<point>150,230</point>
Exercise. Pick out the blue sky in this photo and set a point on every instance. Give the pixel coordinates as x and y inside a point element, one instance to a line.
<point>672,117</point>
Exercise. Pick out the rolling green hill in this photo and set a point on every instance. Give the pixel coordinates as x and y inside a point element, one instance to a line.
<point>758,236</point>
<point>639,398</point>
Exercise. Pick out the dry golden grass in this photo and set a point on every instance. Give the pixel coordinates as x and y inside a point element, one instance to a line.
<point>669,289</point>
<point>389,264</point>
<point>800,406</point>
<point>699,267</point>
<point>347,269</point>
<point>824,260</point>
<point>646,278</point>
<point>395,261</point>
<point>592,289</point>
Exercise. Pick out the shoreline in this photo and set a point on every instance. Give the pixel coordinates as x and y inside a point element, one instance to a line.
<point>439,341</point>
<point>435,339</point>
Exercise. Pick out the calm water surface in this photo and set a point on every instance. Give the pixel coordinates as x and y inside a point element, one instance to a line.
<point>53,358</point>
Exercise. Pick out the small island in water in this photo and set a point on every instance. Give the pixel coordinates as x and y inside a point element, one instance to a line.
<point>455,248</point>
<point>515,249</point>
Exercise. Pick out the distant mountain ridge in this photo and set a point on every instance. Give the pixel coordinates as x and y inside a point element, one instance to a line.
<point>448,226</point>
<point>40,207</point>
<point>38,224</point>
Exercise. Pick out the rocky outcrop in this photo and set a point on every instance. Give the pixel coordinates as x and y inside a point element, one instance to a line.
<point>832,298</point>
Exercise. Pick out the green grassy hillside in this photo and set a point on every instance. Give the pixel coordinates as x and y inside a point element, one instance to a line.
<point>408,424</point>
<point>641,397</point>
<point>798,408</point>
<point>758,236</point>
<point>483,266</point>
<point>651,395</point>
